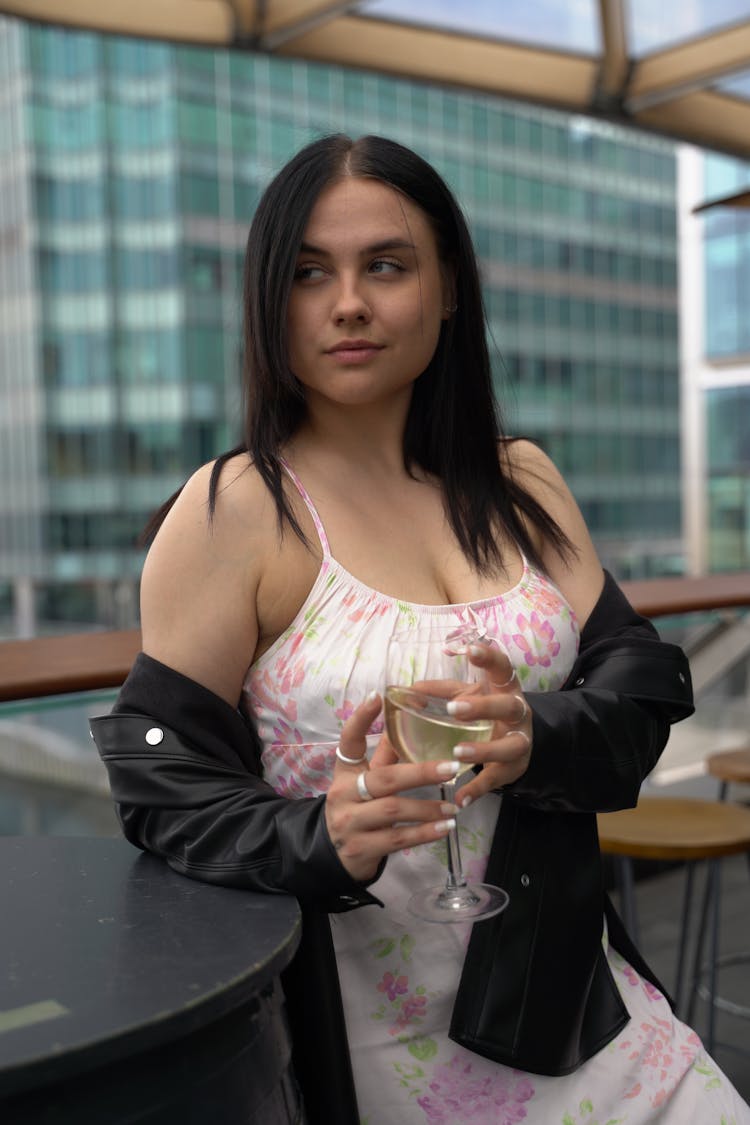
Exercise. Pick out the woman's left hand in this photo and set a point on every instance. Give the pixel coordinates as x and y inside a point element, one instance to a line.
<point>506,756</point>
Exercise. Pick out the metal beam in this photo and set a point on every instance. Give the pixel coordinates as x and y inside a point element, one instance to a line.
<point>188,21</point>
<point>666,75</point>
<point>614,71</point>
<point>737,199</point>
<point>547,76</point>
<point>281,28</point>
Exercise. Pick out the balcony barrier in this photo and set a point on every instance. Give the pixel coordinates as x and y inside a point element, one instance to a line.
<point>78,662</point>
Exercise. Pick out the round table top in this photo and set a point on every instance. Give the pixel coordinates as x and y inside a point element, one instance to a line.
<point>730,765</point>
<point>105,951</point>
<point>676,828</point>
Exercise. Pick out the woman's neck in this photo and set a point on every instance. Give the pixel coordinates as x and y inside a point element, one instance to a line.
<point>367,438</point>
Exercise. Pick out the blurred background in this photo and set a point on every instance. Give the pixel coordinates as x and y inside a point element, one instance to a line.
<point>615,261</point>
<point>129,172</point>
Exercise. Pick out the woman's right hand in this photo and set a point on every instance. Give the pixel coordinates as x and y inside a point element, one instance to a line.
<point>364,831</point>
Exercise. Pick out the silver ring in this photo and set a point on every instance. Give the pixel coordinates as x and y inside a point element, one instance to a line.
<point>523,734</point>
<point>525,706</point>
<point>362,789</point>
<point>348,761</point>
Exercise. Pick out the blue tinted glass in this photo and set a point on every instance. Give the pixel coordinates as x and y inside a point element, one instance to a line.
<point>739,86</point>
<point>553,23</point>
<point>655,26</point>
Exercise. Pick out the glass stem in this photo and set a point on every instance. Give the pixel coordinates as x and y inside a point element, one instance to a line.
<point>456,877</point>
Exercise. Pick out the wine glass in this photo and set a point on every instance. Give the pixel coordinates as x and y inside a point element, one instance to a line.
<point>421,729</point>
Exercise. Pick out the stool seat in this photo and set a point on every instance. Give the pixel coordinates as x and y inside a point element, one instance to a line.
<point>730,765</point>
<point>675,828</point>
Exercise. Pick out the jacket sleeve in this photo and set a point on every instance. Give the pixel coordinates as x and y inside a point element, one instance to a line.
<point>184,771</point>
<point>597,738</point>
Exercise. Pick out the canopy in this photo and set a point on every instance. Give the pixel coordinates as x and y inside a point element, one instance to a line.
<point>679,69</point>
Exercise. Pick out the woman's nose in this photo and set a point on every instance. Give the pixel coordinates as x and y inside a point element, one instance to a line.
<point>351,305</point>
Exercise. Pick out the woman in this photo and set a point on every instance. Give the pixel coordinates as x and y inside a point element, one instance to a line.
<point>374,490</point>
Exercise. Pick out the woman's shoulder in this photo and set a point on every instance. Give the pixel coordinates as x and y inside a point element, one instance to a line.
<point>200,579</point>
<point>578,572</point>
<point>536,473</point>
<point>217,535</point>
<point>226,496</point>
<point>521,455</point>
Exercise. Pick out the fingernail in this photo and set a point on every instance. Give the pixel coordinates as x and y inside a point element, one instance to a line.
<point>466,801</point>
<point>477,650</point>
<point>447,809</point>
<point>458,707</point>
<point>524,707</point>
<point>462,751</point>
<point>448,769</point>
<point>445,825</point>
<point>372,697</point>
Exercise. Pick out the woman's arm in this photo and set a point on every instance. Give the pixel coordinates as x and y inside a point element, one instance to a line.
<point>184,771</point>
<point>200,582</point>
<point>184,766</point>
<point>589,746</point>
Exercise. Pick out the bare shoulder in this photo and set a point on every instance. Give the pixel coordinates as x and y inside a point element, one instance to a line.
<point>579,576</point>
<point>199,582</point>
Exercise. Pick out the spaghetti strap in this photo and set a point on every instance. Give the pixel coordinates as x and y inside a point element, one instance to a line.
<point>309,505</point>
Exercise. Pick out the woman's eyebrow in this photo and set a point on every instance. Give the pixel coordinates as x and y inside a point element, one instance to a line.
<point>375,248</point>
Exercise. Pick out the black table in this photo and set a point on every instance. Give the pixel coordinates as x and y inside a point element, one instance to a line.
<point>129,994</point>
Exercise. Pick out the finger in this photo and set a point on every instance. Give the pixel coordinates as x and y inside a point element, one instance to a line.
<point>384,754</point>
<point>395,812</point>
<point>497,665</point>
<point>513,747</point>
<point>353,739</point>
<point>444,689</point>
<point>500,763</point>
<point>511,709</point>
<point>361,853</point>
<point>384,781</point>
<point>492,777</point>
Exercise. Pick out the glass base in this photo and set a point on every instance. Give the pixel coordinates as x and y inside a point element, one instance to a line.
<point>470,903</point>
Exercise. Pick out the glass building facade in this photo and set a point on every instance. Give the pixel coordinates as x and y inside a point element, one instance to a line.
<point>129,172</point>
<point>727,380</point>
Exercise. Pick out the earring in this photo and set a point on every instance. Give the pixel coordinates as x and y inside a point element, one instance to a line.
<point>451,308</point>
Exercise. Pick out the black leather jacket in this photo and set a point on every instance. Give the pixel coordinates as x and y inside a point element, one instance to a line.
<point>536,991</point>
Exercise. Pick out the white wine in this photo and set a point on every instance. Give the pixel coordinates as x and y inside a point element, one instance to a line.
<point>421,730</point>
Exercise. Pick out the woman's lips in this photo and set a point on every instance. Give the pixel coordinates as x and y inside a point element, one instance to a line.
<point>355,352</point>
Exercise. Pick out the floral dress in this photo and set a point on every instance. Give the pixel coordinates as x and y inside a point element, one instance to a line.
<point>398,975</point>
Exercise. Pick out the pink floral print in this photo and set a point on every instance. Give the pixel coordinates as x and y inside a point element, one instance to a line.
<point>393,986</point>
<point>301,770</point>
<point>458,1094</point>
<point>399,976</point>
<point>536,640</point>
<point>661,1059</point>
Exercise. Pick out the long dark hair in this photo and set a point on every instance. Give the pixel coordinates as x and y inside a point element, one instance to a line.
<point>453,424</point>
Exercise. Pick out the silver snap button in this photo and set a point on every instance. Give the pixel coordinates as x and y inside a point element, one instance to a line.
<point>580,681</point>
<point>154,736</point>
<point>525,881</point>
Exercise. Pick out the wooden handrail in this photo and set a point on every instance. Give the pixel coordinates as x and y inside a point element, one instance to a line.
<point>662,597</point>
<point>60,665</point>
<point>93,661</point>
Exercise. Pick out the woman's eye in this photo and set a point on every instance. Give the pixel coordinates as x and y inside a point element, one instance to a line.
<point>385,265</point>
<point>308,273</point>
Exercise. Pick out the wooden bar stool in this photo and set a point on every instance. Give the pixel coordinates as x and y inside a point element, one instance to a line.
<point>688,831</point>
<point>728,767</point>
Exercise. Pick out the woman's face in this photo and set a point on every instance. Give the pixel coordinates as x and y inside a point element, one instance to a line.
<point>368,297</point>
